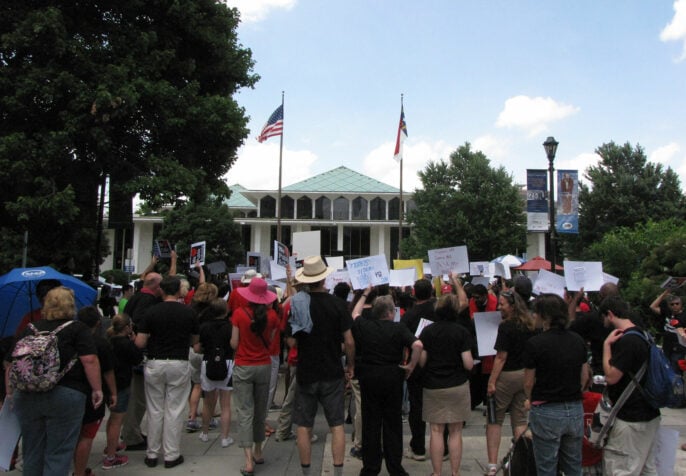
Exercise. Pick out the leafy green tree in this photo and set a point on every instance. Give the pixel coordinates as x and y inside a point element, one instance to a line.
<point>465,201</point>
<point>623,190</point>
<point>208,221</point>
<point>137,91</point>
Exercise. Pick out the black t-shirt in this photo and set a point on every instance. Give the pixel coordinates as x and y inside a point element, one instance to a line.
<point>444,342</point>
<point>628,355</point>
<point>380,343</point>
<point>74,340</point>
<point>413,315</point>
<point>106,358</point>
<point>170,326</point>
<point>511,339</point>
<point>590,326</point>
<point>138,304</point>
<point>319,352</point>
<point>670,342</point>
<point>126,356</point>
<point>216,333</point>
<point>557,355</point>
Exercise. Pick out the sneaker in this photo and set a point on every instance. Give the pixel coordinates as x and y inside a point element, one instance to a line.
<point>214,423</point>
<point>120,447</point>
<point>192,426</point>
<point>226,442</point>
<point>115,462</point>
<point>314,438</point>
<point>204,437</point>
<point>411,454</point>
<point>356,453</point>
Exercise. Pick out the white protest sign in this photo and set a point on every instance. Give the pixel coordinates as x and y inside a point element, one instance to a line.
<point>402,277</point>
<point>277,272</point>
<point>486,324</point>
<point>481,280</point>
<point>666,443</point>
<point>335,262</point>
<point>422,324</point>
<point>370,270</point>
<point>449,260</point>
<point>10,431</point>
<point>583,274</point>
<point>426,269</point>
<point>549,283</point>
<point>480,268</point>
<point>336,277</point>
<point>502,269</point>
<point>307,243</point>
<point>608,278</point>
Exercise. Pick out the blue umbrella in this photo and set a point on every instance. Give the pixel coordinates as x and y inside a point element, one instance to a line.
<point>18,294</point>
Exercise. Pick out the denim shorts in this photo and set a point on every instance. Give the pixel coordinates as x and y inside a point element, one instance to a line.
<point>122,401</point>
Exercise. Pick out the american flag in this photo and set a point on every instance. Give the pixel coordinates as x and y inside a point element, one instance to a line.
<point>402,135</point>
<point>274,126</point>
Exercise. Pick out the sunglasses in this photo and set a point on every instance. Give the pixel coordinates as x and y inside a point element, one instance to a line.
<point>509,295</point>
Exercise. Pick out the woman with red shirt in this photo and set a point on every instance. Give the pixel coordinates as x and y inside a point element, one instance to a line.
<point>253,330</point>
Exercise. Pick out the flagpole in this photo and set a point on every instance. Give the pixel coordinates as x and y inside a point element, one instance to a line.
<point>400,221</point>
<point>278,199</point>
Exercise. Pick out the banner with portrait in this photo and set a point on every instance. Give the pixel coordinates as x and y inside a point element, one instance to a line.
<point>536,200</point>
<point>567,209</point>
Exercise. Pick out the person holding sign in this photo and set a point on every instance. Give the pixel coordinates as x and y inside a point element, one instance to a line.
<point>447,361</point>
<point>674,318</point>
<point>506,383</point>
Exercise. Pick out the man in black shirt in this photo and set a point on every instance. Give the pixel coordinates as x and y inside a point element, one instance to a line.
<point>629,448</point>
<point>167,329</point>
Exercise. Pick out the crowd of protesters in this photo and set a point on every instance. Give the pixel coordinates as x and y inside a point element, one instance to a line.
<point>172,344</point>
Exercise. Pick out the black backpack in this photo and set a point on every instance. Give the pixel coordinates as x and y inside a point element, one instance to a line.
<point>215,367</point>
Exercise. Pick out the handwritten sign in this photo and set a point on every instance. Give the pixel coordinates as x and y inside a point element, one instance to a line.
<point>549,283</point>
<point>370,270</point>
<point>449,260</point>
<point>583,274</point>
<point>336,277</point>
<point>481,268</point>
<point>403,277</point>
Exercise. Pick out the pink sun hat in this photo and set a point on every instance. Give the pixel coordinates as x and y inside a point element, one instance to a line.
<point>257,292</point>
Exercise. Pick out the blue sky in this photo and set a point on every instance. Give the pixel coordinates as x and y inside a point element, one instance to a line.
<point>502,75</point>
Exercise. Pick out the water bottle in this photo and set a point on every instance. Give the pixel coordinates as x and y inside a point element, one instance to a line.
<point>490,402</point>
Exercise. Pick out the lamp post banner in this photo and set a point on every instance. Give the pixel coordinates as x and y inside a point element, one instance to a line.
<point>536,200</point>
<point>567,207</point>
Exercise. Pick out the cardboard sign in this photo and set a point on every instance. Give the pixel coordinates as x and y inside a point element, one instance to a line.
<point>403,277</point>
<point>486,324</point>
<point>410,263</point>
<point>583,274</point>
<point>449,260</point>
<point>162,248</point>
<point>549,283</point>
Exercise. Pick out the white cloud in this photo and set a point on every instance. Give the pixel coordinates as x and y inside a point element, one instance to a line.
<point>257,166</point>
<point>495,148</point>
<point>533,114</point>
<point>379,163</point>
<point>256,10</point>
<point>676,30</point>
<point>581,162</point>
<point>672,156</point>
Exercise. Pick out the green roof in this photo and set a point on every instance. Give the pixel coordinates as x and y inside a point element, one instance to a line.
<point>342,180</point>
<point>237,200</point>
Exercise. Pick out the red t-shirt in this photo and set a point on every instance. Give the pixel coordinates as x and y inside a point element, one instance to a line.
<point>253,350</point>
<point>236,301</point>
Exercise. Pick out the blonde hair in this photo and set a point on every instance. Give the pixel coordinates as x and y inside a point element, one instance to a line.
<point>59,303</point>
<point>119,323</point>
<point>205,292</point>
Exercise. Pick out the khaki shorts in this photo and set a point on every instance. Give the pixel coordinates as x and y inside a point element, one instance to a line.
<point>509,393</point>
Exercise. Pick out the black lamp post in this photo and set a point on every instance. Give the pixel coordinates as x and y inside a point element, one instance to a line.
<point>550,146</point>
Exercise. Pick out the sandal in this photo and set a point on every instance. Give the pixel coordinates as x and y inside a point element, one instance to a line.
<point>492,469</point>
<point>258,460</point>
<point>245,472</point>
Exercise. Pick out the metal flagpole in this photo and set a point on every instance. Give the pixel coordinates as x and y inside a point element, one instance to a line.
<point>278,200</point>
<point>400,214</point>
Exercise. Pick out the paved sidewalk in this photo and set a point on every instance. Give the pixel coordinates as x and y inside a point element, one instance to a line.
<point>281,458</point>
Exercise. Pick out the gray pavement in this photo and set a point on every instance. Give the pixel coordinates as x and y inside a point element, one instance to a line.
<point>281,458</point>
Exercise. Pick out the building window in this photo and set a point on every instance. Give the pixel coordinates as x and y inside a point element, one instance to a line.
<point>329,239</point>
<point>322,208</point>
<point>394,239</point>
<point>304,208</point>
<point>340,209</point>
<point>394,209</point>
<point>268,207</point>
<point>411,205</point>
<point>356,241</point>
<point>359,209</point>
<point>246,237</point>
<point>285,236</point>
<point>287,207</point>
<point>377,209</point>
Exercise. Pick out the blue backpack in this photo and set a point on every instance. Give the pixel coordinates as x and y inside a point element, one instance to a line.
<point>662,387</point>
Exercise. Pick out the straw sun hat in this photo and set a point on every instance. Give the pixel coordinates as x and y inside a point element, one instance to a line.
<point>313,270</point>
